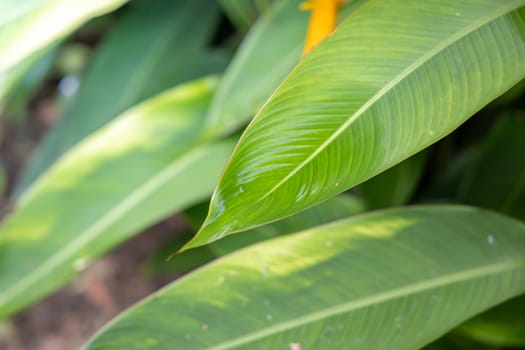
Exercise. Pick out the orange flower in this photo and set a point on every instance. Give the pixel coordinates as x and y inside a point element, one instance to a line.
<point>322,22</point>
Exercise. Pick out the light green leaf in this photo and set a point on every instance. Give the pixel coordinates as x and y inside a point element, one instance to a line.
<point>502,326</point>
<point>30,25</point>
<point>266,56</point>
<point>147,52</point>
<point>393,280</point>
<point>395,77</point>
<point>142,167</point>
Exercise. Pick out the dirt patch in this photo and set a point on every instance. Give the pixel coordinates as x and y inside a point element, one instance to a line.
<point>69,317</point>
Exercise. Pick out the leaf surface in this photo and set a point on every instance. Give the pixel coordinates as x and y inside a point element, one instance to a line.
<point>395,77</point>
<point>143,166</point>
<point>267,54</point>
<point>395,280</point>
<point>30,25</point>
<point>147,52</point>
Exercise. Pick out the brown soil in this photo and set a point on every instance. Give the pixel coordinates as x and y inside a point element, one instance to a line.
<point>67,319</point>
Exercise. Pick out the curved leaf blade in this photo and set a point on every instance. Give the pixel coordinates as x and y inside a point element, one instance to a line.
<point>363,283</point>
<point>394,78</point>
<point>121,179</point>
<point>30,25</point>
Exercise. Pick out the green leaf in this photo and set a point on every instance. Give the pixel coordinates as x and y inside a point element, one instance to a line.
<point>147,52</point>
<point>30,25</point>
<point>395,77</point>
<point>335,208</point>
<point>393,280</point>
<point>503,326</point>
<point>395,186</point>
<point>267,54</point>
<point>119,180</point>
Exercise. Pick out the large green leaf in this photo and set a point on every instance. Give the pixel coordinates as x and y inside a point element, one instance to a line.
<point>267,54</point>
<point>393,280</point>
<point>147,52</point>
<point>143,166</point>
<point>395,77</point>
<point>30,25</point>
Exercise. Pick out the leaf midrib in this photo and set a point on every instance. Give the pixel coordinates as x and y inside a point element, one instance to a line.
<point>394,82</point>
<point>382,297</point>
<point>92,232</point>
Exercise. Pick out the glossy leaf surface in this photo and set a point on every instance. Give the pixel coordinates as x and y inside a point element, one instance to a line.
<point>393,280</point>
<point>395,77</point>
<point>152,45</point>
<point>30,25</point>
<point>142,167</point>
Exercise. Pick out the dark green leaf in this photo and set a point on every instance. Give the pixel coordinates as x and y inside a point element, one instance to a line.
<point>392,280</point>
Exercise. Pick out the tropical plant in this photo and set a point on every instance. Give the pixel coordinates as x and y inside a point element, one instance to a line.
<point>351,127</point>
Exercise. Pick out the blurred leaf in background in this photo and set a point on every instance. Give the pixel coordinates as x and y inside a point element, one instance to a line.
<point>97,196</point>
<point>31,25</point>
<point>503,326</point>
<point>244,13</point>
<point>148,51</point>
<point>395,186</point>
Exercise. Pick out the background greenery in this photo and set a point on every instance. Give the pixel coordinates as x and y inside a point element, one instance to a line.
<point>147,103</point>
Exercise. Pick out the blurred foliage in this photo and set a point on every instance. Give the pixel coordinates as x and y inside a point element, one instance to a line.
<point>129,128</point>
